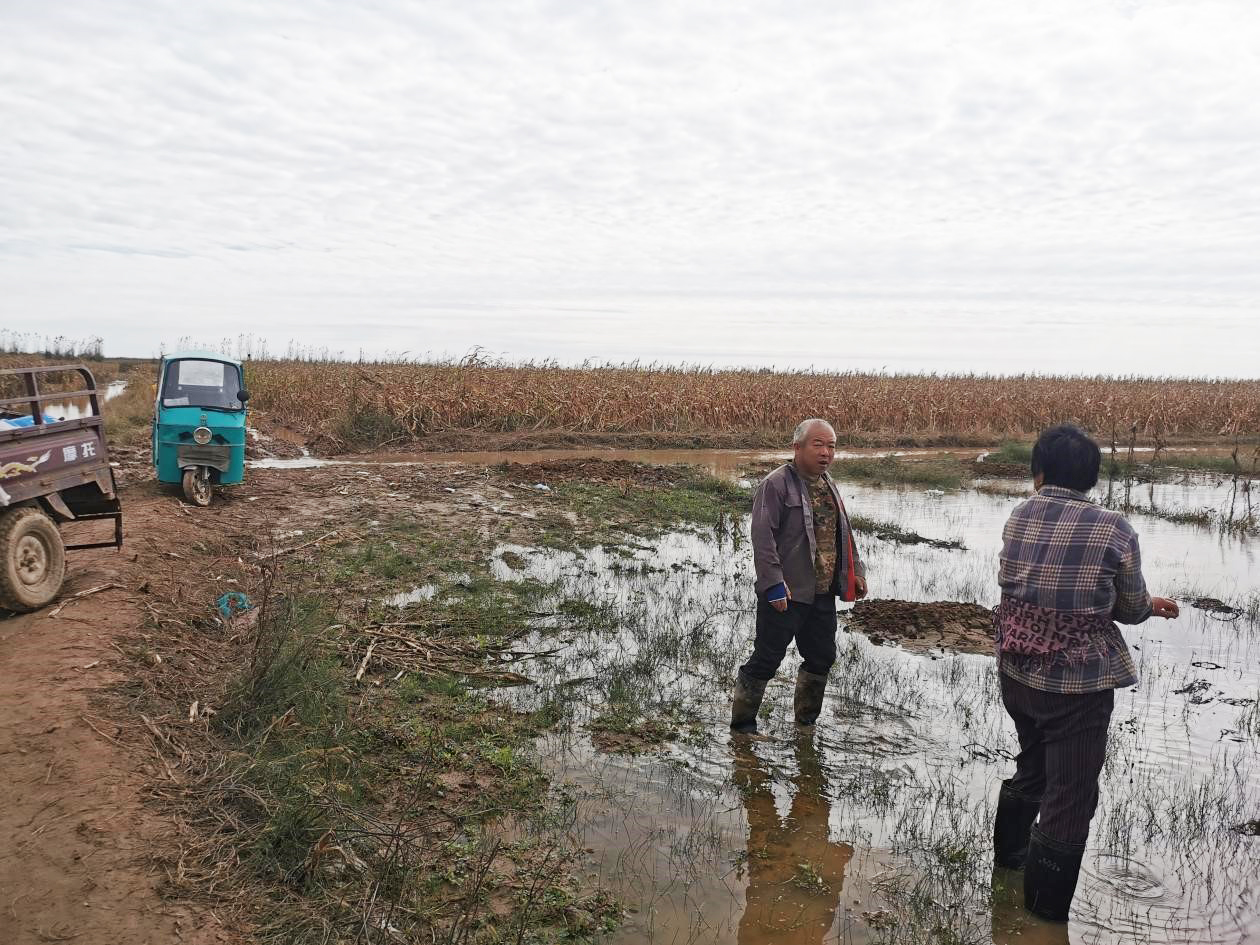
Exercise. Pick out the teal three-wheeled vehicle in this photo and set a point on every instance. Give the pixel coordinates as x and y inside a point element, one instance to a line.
<point>199,423</point>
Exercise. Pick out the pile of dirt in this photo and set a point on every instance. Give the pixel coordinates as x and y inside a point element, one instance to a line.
<point>946,625</point>
<point>596,470</point>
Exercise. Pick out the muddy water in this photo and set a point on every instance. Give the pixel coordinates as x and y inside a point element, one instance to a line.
<point>878,827</point>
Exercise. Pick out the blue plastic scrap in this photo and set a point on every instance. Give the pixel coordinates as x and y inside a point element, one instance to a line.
<point>232,603</point>
<point>18,423</point>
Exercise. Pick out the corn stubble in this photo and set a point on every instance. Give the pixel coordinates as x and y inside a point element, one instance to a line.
<point>411,400</point>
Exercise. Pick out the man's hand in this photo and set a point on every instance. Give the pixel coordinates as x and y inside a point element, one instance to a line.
<point>781,604</point>
<point>859,586</point>
<point>1163,607</point>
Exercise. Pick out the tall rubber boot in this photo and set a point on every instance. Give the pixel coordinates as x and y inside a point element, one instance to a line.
<point>1014,819</point>
<point>747,700</point>
<point>808,701</point>
<point>1050,875</point>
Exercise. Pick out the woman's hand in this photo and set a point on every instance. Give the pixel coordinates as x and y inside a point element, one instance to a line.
<point>1164,607</point>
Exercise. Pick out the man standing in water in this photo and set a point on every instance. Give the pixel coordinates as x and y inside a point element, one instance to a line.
<point>804,556</point>
<point>1068,570</point>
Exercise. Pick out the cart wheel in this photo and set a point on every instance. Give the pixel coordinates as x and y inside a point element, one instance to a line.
<point>32,559</point>
<point>197,486</point>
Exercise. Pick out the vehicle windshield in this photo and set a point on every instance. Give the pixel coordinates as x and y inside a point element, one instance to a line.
<point>193,382</point>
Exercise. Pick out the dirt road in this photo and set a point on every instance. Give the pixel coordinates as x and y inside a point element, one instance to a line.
<point>75,835</point>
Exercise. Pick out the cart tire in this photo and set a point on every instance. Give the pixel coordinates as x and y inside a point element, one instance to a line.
<point>197,486</point>
<point>32,559</point>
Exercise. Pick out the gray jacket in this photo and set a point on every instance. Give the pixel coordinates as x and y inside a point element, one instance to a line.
<point>783,536</point>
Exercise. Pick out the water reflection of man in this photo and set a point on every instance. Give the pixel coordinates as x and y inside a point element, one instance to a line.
<point>795,872</point>
<point>804,557</point>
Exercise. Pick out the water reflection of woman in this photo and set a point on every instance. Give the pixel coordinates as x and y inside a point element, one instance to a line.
<point>795,871</point>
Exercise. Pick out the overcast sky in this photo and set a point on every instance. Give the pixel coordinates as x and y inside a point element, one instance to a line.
<point>998,186</point>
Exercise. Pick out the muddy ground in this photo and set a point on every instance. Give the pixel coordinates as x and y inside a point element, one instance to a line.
<point>80,844</point>
<point>87,849</point>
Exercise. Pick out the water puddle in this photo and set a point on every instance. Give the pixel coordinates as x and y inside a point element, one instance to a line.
<point>305,461</point>
<point>75,408</point>
<point>414,596</point>
<point>878,828</point>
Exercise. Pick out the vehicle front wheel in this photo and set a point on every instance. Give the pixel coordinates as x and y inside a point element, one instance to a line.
<point>197,486</point>
<point>32,559</point>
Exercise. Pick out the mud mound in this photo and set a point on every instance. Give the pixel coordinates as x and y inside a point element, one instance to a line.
<point>1215,607</point>
<point>946,625</point>
<point>596,470</point>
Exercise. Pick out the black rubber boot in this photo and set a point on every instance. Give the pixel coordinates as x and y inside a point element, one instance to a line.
<point>747,700</point>
<point>1050,875</point>
<point>1015,816</point>
<point>808,701</point>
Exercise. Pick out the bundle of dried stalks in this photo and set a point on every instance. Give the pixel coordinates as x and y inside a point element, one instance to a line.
<point>405,647</point>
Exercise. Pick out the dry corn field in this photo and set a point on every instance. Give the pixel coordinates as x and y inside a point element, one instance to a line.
<point>363,402</point>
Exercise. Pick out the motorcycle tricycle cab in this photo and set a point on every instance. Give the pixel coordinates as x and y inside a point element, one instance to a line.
<point>199,423</point>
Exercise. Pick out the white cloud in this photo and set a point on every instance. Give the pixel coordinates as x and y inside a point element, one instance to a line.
<point>383,174</point>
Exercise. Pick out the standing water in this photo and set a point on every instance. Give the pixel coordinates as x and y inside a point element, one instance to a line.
<point>76,407</point>
<point>877,827</point>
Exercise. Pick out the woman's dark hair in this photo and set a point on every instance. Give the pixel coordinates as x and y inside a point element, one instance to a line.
<point>1066,456</point>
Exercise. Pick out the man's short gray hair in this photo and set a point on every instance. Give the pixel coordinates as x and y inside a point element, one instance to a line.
<point>802,429</point>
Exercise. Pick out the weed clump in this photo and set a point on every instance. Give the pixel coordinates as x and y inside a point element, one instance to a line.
<point>1015,452</point>
<point>935,473</point>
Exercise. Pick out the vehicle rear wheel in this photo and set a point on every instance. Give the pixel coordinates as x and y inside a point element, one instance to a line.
<point>32,559</point>
<point>197,486</point>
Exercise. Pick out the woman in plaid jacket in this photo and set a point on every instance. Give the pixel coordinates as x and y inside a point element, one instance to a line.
<point>1069,571</point>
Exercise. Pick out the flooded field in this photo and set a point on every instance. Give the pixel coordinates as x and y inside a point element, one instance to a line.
<point>877,827</point>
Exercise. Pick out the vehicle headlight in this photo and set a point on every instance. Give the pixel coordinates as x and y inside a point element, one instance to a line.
<point>201,436</point>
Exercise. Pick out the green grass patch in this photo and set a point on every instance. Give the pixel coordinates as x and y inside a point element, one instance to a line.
<point>891,531</point>
<point>895,470</point>
<point>625,730</point>
<point>696,498</point>
<point>1011,451</point>
<point>1194,462</point>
